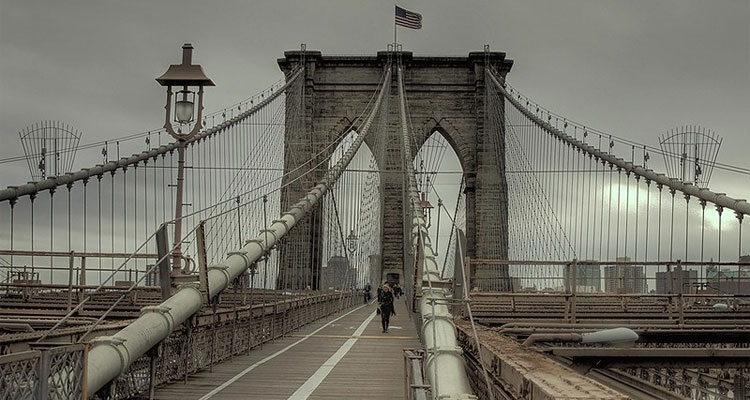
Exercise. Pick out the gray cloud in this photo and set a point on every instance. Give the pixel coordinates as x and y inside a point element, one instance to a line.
<point>635,68</point>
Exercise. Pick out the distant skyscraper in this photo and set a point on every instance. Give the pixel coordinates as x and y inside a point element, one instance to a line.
<point>667,282</point>
<point>729,279</point>
<point>745,259</point>
<point>624,278</point>
<point>589,278</point>
<point>337,274</point>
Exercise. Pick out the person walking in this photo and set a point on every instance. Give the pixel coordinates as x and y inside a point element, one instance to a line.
<point>368,293</point>
<point>386,307</point>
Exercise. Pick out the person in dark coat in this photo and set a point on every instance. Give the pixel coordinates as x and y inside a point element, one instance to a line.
<point>386,307</point>
<point>397,291</point>
<point>380,293</point>
<point>367,293</point>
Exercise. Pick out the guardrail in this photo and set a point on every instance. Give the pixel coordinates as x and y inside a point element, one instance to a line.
<point>210,338</point>
<point>415,389</point>
<point>54,373</point>
<point>206,339</point>
<point>572,291</point>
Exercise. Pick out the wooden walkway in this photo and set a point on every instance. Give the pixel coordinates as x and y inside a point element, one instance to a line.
<point>343,357</point>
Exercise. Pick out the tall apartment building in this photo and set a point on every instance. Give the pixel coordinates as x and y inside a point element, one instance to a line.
<point>668,282</point>
<point>624,278</point>
<point>588,278</point>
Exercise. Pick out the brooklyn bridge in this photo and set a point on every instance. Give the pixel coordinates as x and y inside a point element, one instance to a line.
<point>234,253</point>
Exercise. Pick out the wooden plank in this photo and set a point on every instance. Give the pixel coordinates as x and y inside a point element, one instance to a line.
<point>372,369</point>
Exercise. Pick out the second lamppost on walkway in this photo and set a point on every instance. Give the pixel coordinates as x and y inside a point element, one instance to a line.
<point>190,80</point>
<point>351,241</point>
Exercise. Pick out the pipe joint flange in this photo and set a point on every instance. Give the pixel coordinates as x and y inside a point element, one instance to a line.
<point>241,253</point>
<point>270,232</point>
<point>282,221</point>
<point>190,285</point>
<point>429,318</point>
<point>223,268</point>
<point>433,353</point>
<point>259,242</point>
<point>438,351</point>
<point>161,310</point>
<point>297,206</point>
<point>106,340</point>
<point>115,343</point>
<point>427,290</point>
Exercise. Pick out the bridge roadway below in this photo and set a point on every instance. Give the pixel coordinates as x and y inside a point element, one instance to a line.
<point>342,357</point>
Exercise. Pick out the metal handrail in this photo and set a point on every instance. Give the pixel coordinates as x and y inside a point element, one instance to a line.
<point>14,192</point>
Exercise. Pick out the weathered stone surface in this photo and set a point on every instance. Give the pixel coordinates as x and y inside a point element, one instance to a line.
<point>445,94</point>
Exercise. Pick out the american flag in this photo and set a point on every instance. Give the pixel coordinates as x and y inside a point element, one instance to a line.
<point>408,19</point>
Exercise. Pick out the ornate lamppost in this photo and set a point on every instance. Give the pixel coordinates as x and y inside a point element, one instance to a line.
<point>351,241</point>
<point>188,78</point>
<point>426,209</point>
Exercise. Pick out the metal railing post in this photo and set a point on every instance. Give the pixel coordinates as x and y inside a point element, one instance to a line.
<point>186,353</point>
<point>273,319</point>
<point>71,263</point>
<point>44,375</point>
<point>680,304</point>
<point>153,355</point>
<point>162,249</point>
<point>82,281</point>
<point>574,284</point>
<point>407,379</point>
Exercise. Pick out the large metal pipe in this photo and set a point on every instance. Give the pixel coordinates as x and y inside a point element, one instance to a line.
<point>112,355</point>
<point>444,364</point>
<point>608,336</point>
<point>740,206</point>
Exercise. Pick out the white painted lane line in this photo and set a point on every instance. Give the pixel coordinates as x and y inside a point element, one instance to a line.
<point>271,357</point>
<point>317,378</point>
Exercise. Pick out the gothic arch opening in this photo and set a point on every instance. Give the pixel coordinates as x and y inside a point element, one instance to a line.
<point>352,221</point>
<point>440,181</point>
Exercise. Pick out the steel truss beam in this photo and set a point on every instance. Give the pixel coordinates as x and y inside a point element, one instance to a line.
<point>622,358</point>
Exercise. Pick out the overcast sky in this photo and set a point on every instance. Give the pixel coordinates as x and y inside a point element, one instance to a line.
<point>635,68</point>
<point>632,68</point>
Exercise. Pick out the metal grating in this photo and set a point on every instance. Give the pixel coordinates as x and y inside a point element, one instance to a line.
<point>50,374</point>
<point>19,374</point>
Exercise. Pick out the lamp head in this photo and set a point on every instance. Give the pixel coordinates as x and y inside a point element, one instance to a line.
<point>191,78</point>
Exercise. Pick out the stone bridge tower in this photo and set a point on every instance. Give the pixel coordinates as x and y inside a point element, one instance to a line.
<point>445,94</point>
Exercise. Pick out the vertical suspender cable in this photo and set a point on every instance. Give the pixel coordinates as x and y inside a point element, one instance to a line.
<point>451,373</point>
<point>112,355</point>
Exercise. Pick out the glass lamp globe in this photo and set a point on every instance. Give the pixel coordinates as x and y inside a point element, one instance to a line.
<point>183,107</point>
